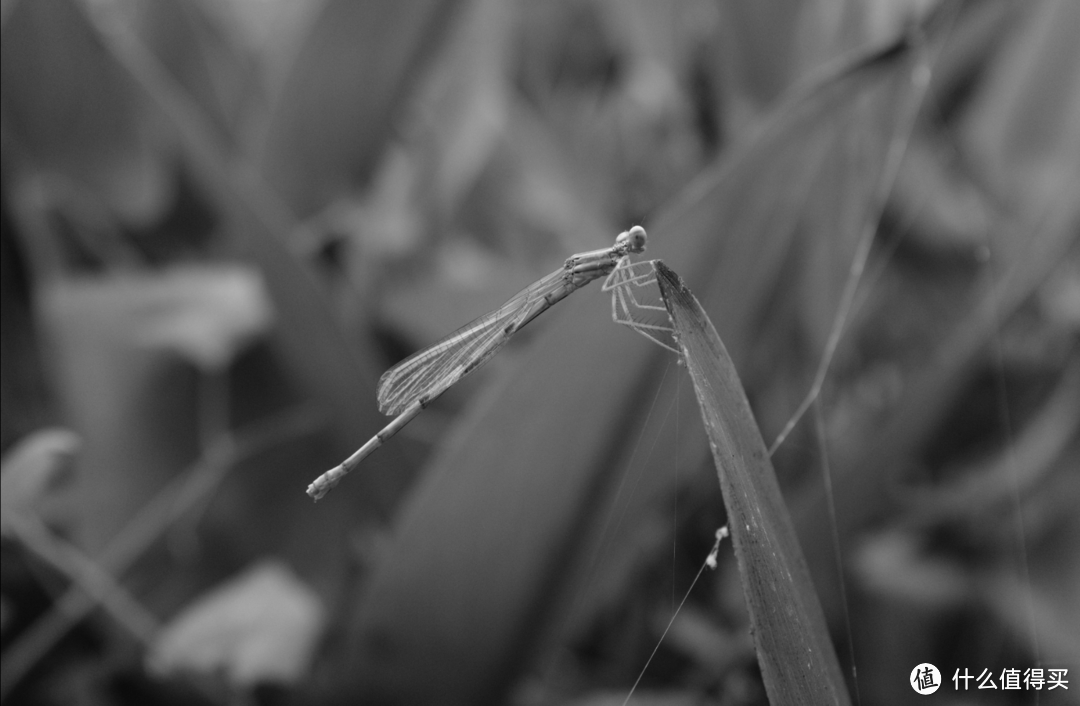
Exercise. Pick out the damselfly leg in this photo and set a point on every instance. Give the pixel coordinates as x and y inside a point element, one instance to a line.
<point>629,284</point>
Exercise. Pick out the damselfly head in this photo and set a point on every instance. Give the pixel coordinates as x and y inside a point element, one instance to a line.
<point>633,239</point>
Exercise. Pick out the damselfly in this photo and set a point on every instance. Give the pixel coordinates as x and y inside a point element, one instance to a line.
<point>414,383</point>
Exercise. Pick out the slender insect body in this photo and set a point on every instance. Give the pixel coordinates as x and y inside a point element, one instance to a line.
<point>411,385</point>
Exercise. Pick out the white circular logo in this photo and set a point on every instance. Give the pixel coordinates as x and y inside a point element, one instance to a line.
<point>925,679</point>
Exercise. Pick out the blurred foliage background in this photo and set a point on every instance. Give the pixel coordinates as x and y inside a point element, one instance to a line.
<point>223,220</point>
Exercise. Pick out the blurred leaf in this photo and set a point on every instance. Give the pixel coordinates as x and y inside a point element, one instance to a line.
<point>647,131</point>
<point>940,204</point>
<point>464,108</point>
<point>659,40</point>
<point>987,487</point>
<point>261,627</point>
<point>893,564</point>
<point>272,29</point>
<point>334,113</point>
<point>206,314</point>
<point>547,185</point>
<point>767,47</point>
<point>798,663</point>
<point>66,101</point>
<point>758,46</point>
<point>133,405</point>
<point>1060,298</point>
<point>836,223</point>
<point>196,42</point>
<point>137,407</point>
<point>611,93</point>
<point>1046,606</point>
<point>1023,126</point>
<point>829,30</point>
<point>454,130</point>
<point>143,531</point>
<point>712,647</point>
<point>309,337</point>
<point>31,467</point>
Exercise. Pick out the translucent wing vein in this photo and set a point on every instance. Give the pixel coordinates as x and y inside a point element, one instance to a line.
<point>430,372</point>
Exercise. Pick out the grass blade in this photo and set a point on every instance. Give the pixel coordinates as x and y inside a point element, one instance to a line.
<point>798,664</point>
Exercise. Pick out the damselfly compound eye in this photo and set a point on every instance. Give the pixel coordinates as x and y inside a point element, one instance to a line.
<point>634,239</point>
